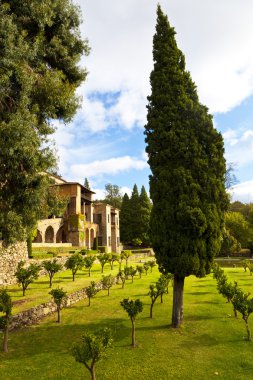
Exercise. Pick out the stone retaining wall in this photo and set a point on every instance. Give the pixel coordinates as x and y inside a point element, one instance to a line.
<point>9,259</point>
<point>35,314</point>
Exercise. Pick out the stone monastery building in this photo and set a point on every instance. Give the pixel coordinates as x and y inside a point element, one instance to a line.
<point>82,221</point>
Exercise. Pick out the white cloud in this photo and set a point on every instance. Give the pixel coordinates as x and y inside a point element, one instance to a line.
<point>242,192</point>
<point>111,166</point>
<point>215,39</point>
<point>239,146</point>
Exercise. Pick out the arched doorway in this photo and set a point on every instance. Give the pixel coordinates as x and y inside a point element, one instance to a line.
<point>49,235</point>
<point>61,236</point>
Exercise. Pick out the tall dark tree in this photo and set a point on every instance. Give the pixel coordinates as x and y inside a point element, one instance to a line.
<point>185,154</point>
<point>145,211</point>
<point>135,213</point>
<point>125,219</point>
<point>86,183</point>
<point>40,48</point>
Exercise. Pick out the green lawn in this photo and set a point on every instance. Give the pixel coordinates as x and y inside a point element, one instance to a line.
<point>211,343</point>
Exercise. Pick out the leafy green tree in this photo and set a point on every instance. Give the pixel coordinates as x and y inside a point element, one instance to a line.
<point>125,219</point>
<point>40,48</point>
<point>126,255</point>
<point>88,262</point>
<point>132,272</point>
<point>228,290</point>
<point>107,282</point>
<point>140,269</point>
<point>245,264</point>
<point>59,297</point>
<point>113,258</point>
<point>229,244</point>
<point>103,259</point>
<point>113,195</point>
<point>91,290</point>
<point>122,277</point>
<point>92,349</point>
<point>133,308</point>
<point>75,262</point>
<point>154,293</point>
<point>5,308</point>
<point>244,306</point>
<point>185,154</point>
<point>146,267</point>
<point>238,227</point>
<point>163,284</point>
<point>152,264</point>
<point>26,276</point>
<point>127,271</point>
<point>51,267</point>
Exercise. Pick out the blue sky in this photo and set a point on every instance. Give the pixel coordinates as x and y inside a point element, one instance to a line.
<point>105,141</point>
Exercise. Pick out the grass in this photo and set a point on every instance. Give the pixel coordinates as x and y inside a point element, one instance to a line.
<point>210,344</point>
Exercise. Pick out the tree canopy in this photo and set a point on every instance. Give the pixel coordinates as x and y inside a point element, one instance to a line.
<point>185,154</point>
<point>40,48</point>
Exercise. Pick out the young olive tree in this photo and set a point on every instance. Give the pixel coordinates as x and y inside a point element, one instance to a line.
<point>88,263</point>
<point>107,282</point>
<point>113,258</point>
<point>75,262</point>
<point>133,308</point>
<point>91,290</point>
<point>26,276</point>
<point>152,264</point>
<point>186,158</point>
<point>245,264</point>
<point>103,259</point>
<point>154,293</point>
<point>122,277</point>
<point>5,308</point>
<point>126,255</point>
<point>163,284</point>
<point>92,349</point>
<point>140,269</point>
<point>132,272</point>
<point>146,267</point>
<point>51,267</point>
<point>244,306</point>
<point>59,297</point>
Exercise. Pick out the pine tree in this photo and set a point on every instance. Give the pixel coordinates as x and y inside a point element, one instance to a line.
<point>86,183</point>
<point>145,211</point>
<point>125,219</point>
<point>188,169</point>
<point>40,48</point>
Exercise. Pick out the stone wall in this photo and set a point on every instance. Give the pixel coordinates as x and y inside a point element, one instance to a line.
<point>35,314</point>
<point>9,259</point>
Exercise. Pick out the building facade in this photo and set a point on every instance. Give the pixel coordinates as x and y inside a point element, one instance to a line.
<point>82,222</point>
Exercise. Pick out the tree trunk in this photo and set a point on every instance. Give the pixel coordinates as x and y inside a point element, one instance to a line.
<point>73,276</point>
<point>151,310</point>
<point>89,301</point>
<point>108,291</point>
<point>59,314</point>
<point>161,297</point>
<point>23,288</point>
<point>178,294</point>
<point>89,271</point>
<point>50,281</point>
<point>235,312</point>
<point>247,328</point>
<point>133,333</point>
<point>5,339</point>
<point>92,371</point>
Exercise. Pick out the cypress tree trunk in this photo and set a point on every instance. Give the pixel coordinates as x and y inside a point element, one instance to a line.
<point>178,294</point>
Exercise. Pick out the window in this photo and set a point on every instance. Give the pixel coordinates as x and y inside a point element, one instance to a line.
<point>109,240</point>
<point>109,219</point>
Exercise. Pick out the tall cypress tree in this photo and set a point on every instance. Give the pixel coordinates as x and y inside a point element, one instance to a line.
<point>125,219</point>
<point>135,213</point>
<point>185,154</point>
<point>145,211</point>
